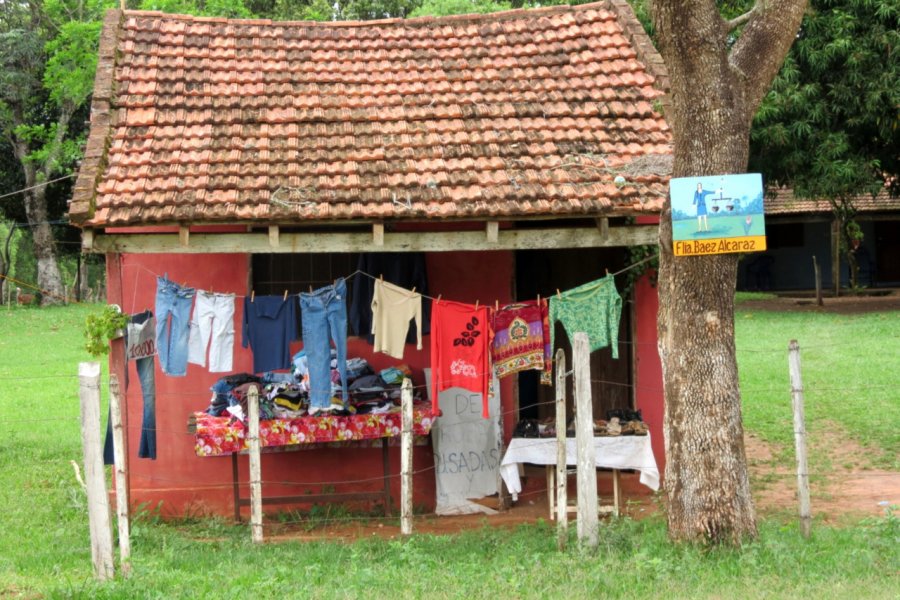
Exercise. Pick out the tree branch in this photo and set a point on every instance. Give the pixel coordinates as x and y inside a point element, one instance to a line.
<point>760,50</point>
<point>740,20</point>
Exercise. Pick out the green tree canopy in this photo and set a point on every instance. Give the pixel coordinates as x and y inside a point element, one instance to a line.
<point>830,126</point>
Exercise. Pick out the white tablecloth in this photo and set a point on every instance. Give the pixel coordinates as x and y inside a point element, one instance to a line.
<point>622,452</point>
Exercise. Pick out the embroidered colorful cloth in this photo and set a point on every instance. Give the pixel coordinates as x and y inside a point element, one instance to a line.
<point>460,350</point>
<point>218,436</point>
<point>522,339</point>
<point>594,308</point>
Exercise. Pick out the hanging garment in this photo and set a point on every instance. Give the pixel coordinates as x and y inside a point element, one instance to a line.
<point>404,269</point>
<point>522,339</point>
<point>325,320</point>
<point>213,318</point>
<point>140,347</point>
<point>393,307</point>
<point>270,324</point>
<point>594,308</point>
<point>173,311</point>
<point>460,350</point>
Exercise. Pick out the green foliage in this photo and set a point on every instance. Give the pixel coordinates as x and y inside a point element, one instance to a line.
<point>231,9</point>
<point>71,62</point>
<point>101,327</point>
<point>829,126</point>
<point>441,8</point>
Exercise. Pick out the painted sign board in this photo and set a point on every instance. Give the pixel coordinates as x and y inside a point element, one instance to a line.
<point>717,214</point>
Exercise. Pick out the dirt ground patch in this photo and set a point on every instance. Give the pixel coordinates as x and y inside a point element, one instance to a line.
<point>845,490</point>
<point>886,300</point>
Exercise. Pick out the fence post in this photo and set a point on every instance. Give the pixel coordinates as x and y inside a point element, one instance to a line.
<point>584,441</point>
<point>120,470</point>
<point>98,502</point>
<point>256,529</point>
<point>817,273</point>
<point>406,458</point>
<point>562,500</point>
<point>800,437</point>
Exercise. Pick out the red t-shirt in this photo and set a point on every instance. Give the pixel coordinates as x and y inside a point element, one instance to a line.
<point>460,350</point>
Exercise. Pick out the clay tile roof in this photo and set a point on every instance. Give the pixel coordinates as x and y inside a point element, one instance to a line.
<point>782,201</point>
<point>519,114</point>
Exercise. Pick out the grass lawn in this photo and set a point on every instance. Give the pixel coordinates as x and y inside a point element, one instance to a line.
<point>850,378</point>
<point>44,544</point>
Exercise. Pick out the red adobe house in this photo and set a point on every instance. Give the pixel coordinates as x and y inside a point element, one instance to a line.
<point>240,156</point>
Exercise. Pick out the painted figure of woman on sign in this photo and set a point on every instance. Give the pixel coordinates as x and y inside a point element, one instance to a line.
<point>700,202</point>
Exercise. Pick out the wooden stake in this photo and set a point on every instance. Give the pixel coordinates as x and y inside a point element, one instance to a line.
<point>98,501</point>
<point>800,437</point>
<point>120,470</point>
<point>256,530</point>
<point>406,458</point>
<point>584,442</point>
<point>818,275</point>
<point>562,500</point>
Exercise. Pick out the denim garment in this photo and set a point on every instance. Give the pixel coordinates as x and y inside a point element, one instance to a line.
<point>273,377</point>
<point>146,375</point>
<point>173,312</point>
<point>324,317</point>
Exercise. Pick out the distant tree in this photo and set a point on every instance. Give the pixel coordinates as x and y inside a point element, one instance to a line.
<point>442,8</point>
<point>48,54</point>
<point>830,126</point>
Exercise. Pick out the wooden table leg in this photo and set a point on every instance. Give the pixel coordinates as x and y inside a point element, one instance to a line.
<point>616,494</point>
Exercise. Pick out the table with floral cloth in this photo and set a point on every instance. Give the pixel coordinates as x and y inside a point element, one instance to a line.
<point>220,436</point>
<point>223,436</point>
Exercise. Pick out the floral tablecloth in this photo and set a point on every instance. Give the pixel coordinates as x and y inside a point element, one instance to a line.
<point>219,436</point>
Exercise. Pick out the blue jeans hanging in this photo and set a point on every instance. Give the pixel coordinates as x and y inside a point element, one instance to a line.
<point>173,313</point>
<point>324,316</point>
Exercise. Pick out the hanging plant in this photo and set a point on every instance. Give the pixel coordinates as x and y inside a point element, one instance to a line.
<point>102,327</point>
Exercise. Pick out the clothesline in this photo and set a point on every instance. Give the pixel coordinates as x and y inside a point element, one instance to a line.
<point>374,277</point>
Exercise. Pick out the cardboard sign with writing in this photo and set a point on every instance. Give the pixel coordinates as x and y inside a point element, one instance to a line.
<point>717,214</point>
<point>466,450</point>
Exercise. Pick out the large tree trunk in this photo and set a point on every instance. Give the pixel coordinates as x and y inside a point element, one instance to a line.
<point>48,277</point>
<point>715,86</point>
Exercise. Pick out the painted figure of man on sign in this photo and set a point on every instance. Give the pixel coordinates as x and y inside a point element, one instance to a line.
<point>700,202</point>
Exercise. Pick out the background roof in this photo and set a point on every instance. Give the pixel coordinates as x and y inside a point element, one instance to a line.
<point>509,115</point>
<point>783,202</point>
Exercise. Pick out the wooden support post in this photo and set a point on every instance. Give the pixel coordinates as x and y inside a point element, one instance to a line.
<point>603,227</point>
<point>492,231</point>
<point>800,437</point>
<point>95,478</point>
<point>378,234</point>
<point>256,529</point>
<point>562,500</point>
<point>120,470</point>
<point>184,236</point>
<point>406,458</point>
<point>818,276</point>
<point>584,442</point>
<point>836,256</point>
<point>87,240</point>
<point>274,233</point>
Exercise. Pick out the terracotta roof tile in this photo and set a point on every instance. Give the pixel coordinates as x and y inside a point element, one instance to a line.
<point>516,114</point>
<point>782,201</point>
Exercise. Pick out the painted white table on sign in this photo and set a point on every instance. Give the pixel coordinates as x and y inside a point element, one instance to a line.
<point>632,452</point>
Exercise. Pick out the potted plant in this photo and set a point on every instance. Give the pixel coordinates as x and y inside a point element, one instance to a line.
<point>102,327</point>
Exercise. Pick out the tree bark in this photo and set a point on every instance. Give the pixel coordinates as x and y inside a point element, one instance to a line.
<point>716,84</point>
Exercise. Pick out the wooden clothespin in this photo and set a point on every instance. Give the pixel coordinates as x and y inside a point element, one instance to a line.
<point>381,277</point>
<point>414,290</point>
<point>558,295</point>
<point>252,295</point>
<point>310,288</point>
<point>285,294</point>
<point>607,272</point>
<point>539,300</point>
<point>476,305</point>
<point>438,301</point>
<point>497,305</point>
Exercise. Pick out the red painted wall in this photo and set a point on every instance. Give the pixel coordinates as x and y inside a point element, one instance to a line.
<point>188,484</point>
